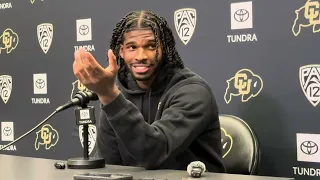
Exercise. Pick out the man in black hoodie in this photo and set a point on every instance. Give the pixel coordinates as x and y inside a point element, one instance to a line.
<point>155,113</point>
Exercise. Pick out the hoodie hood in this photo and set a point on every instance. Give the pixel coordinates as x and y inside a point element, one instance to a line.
<point>146,100</point>
<point>127,82</point>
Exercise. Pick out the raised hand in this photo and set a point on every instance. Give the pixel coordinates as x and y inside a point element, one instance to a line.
<point>96,78</point>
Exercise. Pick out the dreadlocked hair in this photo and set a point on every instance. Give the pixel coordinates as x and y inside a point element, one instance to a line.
<point>147,19</point>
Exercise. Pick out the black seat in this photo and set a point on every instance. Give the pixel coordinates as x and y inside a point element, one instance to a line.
<point>241,150</point>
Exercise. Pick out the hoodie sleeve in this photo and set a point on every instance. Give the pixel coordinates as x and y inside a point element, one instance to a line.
<point>190,110</point>
<point>107,142</point>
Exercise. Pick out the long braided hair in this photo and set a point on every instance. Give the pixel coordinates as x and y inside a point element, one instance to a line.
<point>141,20</point>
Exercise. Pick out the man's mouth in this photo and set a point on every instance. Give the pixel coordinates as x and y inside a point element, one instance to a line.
<point>141,68</point>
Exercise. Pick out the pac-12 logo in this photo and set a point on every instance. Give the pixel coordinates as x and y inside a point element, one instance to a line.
<point>92,136</point>
<point>185,22</point>
<point>5,87</point>
<point>45,35</point>
<point>309,76</point>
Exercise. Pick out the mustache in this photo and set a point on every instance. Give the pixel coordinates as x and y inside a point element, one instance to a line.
<point>142,63</point>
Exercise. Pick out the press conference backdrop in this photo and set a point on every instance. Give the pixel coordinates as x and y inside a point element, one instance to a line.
<point>261,59</point>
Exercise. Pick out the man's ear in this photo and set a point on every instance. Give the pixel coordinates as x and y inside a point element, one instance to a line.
<point>121,51</point>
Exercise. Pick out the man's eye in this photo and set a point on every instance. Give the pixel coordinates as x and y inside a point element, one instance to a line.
<point>152,46</point>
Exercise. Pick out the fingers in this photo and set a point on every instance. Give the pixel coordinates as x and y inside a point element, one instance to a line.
<point>90,72</point>
<point>78,73</point>
<point>78,66</point>
<point>93,66</point>
<point>112,62</point>
<point>85,62</point>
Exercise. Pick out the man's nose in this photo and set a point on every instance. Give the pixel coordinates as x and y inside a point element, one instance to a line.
<point>141,55</point>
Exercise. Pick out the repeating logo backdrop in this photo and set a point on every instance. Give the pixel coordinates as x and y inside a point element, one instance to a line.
<point>260,58</point>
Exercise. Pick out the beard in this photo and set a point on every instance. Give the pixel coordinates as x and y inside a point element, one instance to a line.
<point>150,74</point>
<point>143,76</point>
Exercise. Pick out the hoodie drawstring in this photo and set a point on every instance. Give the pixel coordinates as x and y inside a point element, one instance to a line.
<point>141,103</point>
<point>149,113</point>
<point>149,103</point>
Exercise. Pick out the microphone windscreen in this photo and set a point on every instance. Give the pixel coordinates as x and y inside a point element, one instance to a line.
<point>196,164</point>
<point>92,95</point>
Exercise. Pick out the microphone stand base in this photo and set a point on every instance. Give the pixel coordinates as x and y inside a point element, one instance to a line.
<point>81,163</point>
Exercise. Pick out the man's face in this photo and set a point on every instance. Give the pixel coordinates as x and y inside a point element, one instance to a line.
<point>139,53</point>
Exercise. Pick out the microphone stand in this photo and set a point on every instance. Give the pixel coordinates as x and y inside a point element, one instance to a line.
<point>84,116</point>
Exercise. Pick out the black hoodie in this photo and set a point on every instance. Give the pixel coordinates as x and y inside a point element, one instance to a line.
<point>168,126</point>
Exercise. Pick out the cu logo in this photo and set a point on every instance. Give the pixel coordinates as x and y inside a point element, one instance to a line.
<point>309,147</point>
<point>241,15</point>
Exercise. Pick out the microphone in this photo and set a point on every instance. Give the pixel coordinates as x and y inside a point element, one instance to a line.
<point>81,98</point>
<point>196,169</point>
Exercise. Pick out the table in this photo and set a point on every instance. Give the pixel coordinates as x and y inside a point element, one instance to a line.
<point>28,168</point>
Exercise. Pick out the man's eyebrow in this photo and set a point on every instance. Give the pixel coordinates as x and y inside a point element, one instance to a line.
<point>151,41</point>
<point>132,42</point>
<point>129,43</point>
